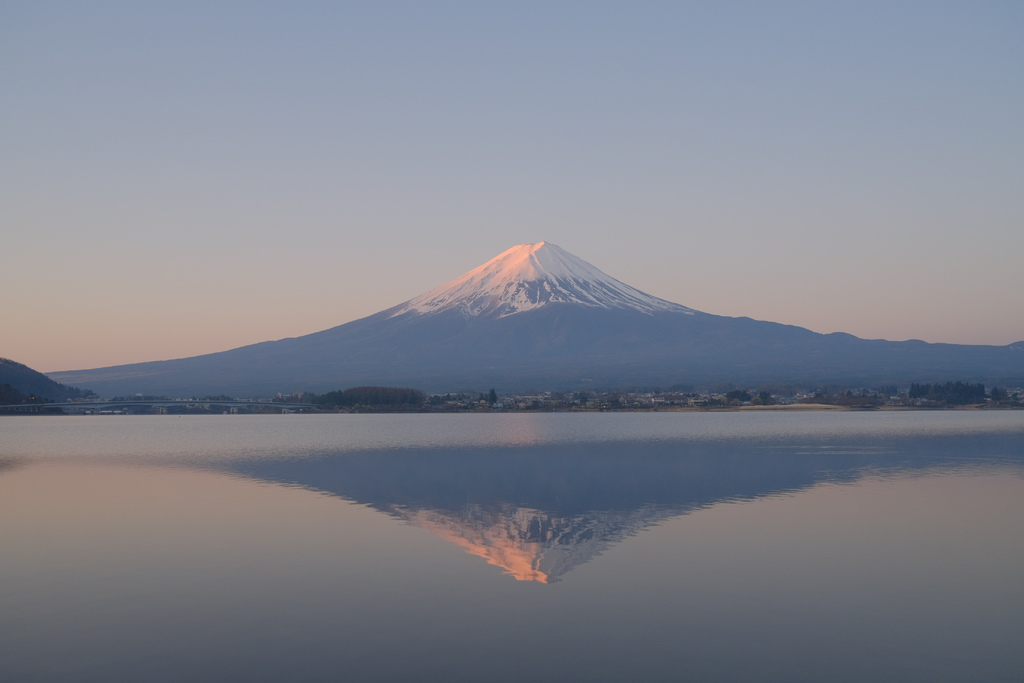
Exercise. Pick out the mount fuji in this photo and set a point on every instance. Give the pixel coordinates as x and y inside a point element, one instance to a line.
<point>537,317</point>
<point>528,277</point>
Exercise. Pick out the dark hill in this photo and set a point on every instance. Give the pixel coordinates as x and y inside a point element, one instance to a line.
<point>17,382</point>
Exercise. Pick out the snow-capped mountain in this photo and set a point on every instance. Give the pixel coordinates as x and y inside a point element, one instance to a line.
<point>527,277</point>
<point>536,317</point>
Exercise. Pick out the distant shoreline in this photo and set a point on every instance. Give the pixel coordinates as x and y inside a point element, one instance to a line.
<point>789,407</point>
<point>55,410</point>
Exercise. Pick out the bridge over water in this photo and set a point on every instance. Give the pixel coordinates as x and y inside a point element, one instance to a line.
<point>140,405</point>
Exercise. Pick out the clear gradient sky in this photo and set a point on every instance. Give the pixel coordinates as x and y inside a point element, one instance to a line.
<point>182,177</point>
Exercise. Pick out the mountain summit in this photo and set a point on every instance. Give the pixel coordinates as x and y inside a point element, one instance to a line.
<point>536,317</point>
<point>527,277</point>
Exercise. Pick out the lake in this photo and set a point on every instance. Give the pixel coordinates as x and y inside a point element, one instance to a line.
<point>747,546</point>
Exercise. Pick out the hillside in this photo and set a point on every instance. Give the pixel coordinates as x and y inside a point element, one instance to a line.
<point>18,382</point>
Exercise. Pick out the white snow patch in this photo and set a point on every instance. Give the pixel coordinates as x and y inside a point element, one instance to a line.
<point>529,276</point>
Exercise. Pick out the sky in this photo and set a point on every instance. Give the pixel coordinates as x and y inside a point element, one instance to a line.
<point>184,178</point>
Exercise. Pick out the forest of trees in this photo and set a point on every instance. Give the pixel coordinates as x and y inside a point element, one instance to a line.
<point>393,398</point>
<point>9,395</point>
<point>955,393</point>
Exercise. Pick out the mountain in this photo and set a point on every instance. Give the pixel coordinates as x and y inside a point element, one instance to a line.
<point>18,381</point>
<point>537,317</point>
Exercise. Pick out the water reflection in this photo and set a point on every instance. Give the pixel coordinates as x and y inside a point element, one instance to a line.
<point>825,547</point>
<point>539,511</point>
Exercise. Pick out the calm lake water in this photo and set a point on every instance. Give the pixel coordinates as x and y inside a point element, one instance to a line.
<point>588,547</point>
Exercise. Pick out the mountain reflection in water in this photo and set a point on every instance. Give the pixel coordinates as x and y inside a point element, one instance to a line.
<point>539,511</point>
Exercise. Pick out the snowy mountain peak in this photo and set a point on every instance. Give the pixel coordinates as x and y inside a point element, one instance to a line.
<point>529,276</point>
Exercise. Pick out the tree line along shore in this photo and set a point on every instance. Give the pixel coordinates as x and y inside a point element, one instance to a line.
<point>379,399</point>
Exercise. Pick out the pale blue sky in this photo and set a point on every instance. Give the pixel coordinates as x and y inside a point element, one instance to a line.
<point>182,178</point>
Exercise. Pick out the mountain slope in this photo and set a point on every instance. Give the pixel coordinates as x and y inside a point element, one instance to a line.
<point>537,317</point>
<point>25,381</point>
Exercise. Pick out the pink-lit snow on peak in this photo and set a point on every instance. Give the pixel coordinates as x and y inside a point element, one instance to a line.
<point>529,276</point>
